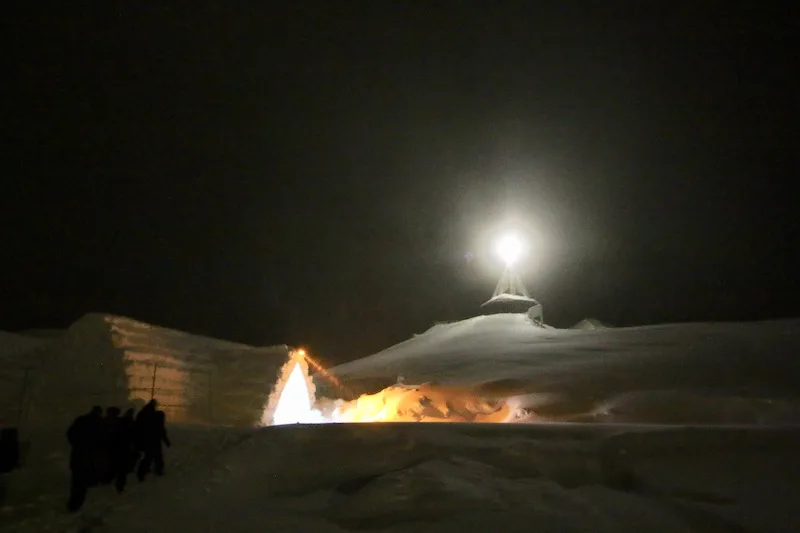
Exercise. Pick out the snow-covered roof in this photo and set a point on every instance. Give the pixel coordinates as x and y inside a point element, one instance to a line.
<point>509,298</point>
<point>168,338</point>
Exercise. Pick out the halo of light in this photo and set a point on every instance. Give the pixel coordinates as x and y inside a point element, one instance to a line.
<point>509,248</point>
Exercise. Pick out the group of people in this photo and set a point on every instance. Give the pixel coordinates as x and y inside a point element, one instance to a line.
<point>106,449</point>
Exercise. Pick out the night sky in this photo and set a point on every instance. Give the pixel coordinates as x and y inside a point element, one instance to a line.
<point>333,176</point>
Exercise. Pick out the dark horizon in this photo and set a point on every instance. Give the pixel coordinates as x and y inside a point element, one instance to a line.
<point>331,176</point>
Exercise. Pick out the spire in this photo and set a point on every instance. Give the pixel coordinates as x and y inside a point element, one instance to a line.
<point>511,296</point>
<point>510,283</point>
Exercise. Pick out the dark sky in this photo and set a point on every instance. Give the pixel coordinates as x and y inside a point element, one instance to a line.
<point>323,175</point>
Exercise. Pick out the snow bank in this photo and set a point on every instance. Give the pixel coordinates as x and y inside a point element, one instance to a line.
<point>500,478</point>
<point>685,407</point>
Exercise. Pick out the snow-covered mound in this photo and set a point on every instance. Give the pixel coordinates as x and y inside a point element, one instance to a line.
<point>580,372</point>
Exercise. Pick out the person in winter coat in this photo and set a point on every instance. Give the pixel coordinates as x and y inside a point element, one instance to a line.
<point>120,446</point>
<point>85,436</point>
<point>109,445</point>
<point>151,433</point>
<point>129,430</point>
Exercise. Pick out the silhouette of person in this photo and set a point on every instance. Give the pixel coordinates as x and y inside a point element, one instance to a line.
<point>145,414</point>
<point>118,449</point>
<point>108,445</point>
<point>85,436</point>
<point>9,457</point>
<point>152,431</point>
<point>128,424</point>
<point>9,449</point>
<point>143,419</point>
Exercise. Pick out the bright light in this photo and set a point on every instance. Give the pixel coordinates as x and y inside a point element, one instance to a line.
<point>509,248</point>
<point>294,405</point>
<point>301,352</point>
<point>422,403</point>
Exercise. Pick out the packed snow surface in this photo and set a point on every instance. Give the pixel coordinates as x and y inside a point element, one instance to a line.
<point>450,478</point>
<point>559,477</point>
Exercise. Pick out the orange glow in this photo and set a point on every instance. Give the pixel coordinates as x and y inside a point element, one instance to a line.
<point>293,401</point>
<point>424,403</point>
<point>319,368</point>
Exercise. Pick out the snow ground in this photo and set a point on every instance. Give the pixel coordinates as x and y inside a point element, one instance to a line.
<point>676,373</point>
<point>35,494</point>
<point>619,478</point>
<point>491,477</point>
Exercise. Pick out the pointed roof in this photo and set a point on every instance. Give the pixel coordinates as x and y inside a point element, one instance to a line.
<point>510,290</point>
<point>506,298</point>
<point>511,284</point>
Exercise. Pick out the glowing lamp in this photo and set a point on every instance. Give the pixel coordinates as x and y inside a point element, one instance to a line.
<point>509,249</point>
